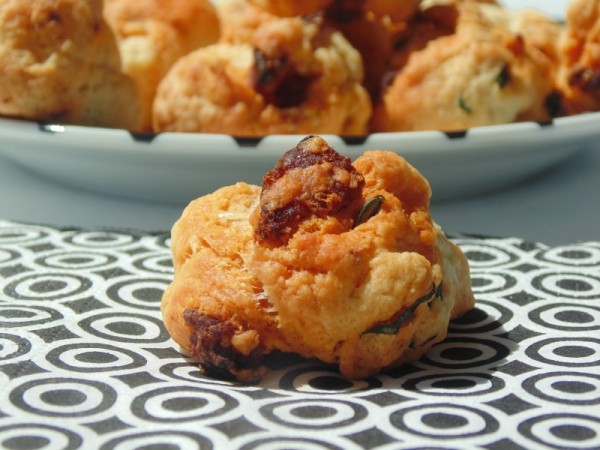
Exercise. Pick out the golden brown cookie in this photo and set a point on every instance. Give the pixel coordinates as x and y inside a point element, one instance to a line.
<point>298,76</point>
<point>467,64</point>
<point>329,259</point>
<point>580,49</point>
<point>369,25</point>
<point>59,62</point>
<point>152,35</point>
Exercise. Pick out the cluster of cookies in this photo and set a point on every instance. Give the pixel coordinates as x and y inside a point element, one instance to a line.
<point>329,259</point>
<point>258,67</point>
<point>95,62</point>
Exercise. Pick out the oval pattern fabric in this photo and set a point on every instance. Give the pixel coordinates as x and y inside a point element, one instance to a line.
<point>85,361</point>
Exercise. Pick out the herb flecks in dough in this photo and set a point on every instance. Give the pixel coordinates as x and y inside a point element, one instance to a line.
<point>407,314</point>
<point>462,103</point>
<point>503,77</point>
<point>369,209</point>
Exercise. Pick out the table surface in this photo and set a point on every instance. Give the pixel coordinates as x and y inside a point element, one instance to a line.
<point>85,361</point>
<point>556,207</point>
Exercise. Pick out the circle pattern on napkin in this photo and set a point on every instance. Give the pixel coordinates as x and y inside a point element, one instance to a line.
<point>85,361</point>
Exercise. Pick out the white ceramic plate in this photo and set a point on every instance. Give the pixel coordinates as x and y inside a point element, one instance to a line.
<point>177,167</point>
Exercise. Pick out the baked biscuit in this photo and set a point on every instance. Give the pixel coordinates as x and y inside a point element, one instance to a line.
<point>369,25</point>
<point>580,49</point>
<point>329,259</point>
<point>152,35</point>
<point>469,64</point>
<point>298,76</point>
<point>59,62</point>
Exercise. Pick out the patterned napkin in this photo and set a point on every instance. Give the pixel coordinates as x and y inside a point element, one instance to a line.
<point>85,361</point>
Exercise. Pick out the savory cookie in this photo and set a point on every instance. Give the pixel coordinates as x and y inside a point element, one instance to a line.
<point>59,62</point>
<point>467,64</point>
<point>152,35</point>
<point>369,25</point>
<point>329,259</point>
<point>580,49</point>
<point>298,76</point>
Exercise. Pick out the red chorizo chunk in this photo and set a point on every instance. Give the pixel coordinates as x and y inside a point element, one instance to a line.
<point>310,179</point>
<point>211,344</point>
<point>278,81</point>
